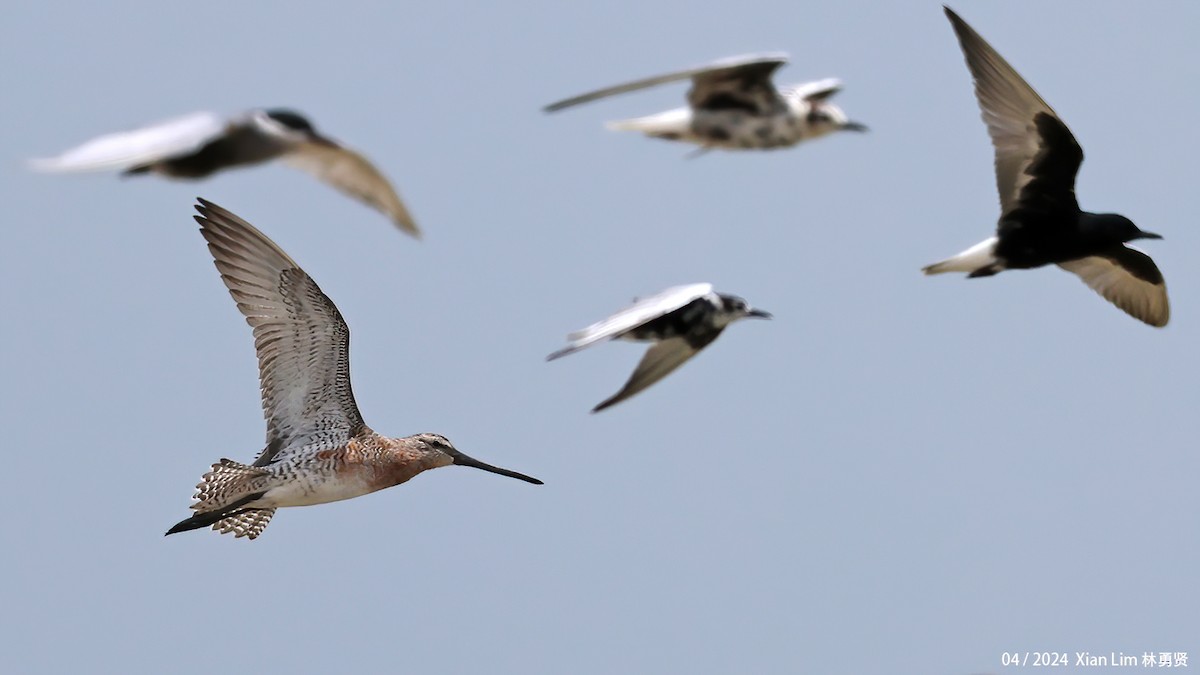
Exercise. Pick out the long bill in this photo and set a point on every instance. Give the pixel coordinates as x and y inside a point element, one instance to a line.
<point>463,460</point>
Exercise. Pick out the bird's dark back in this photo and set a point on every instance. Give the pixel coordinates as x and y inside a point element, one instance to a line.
<point>241,146</point>
<point>692,321</point>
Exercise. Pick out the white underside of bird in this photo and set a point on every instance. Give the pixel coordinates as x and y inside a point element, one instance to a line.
<point>977,257</point>
<point>735,129</point>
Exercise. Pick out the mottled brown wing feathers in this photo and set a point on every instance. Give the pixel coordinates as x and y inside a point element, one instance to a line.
<point>302,342</point>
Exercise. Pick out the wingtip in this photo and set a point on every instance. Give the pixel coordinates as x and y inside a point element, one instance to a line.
<point>41,164</point>
<point>956,21</point>
<point>605,404</point>
<point>558,354</point>
<point>411,230</point>
<point>206,209</point>
<point>404,221</point>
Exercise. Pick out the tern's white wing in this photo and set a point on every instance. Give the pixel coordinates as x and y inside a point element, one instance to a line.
<point>818,90</point>
<point>750,66</point>
<point>127,149</point>
<point>1025,130</point>
<point>355,176</point>
<point>659,361</point>
<point>642,311</point>
<point>302,342</point>
<point>1129,279</point>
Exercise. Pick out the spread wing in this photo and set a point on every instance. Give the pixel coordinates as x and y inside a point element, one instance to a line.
<point>127,149</point>
<point>750,74</point>
<point>302,342</point>
<point>1129,279</point>
<point>1037,157</point>
<point>642,311</point>
<point>660,360</point>
<point>818,90</point>
<point>353,175</point>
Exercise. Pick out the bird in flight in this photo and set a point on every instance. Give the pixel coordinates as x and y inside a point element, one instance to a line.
<point>1040,220</point>
<point>734,105</point>
<point>200,144</point>
<point>318,448</point>
<point>680,321</point>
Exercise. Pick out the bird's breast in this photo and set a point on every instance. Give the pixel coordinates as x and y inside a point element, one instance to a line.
<point>739,129</point>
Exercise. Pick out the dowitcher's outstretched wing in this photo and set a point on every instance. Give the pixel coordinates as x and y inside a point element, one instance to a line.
<point>302,342</point>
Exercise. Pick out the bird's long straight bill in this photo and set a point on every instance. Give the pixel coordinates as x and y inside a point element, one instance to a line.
<point>463,460</point>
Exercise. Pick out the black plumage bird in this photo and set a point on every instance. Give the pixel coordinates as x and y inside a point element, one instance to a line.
<point>1040,221</point>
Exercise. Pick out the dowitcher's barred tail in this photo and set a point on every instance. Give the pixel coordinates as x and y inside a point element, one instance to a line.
<point>220,496</point>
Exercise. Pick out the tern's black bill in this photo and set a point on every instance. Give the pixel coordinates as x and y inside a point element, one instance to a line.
<point>760,314</point>
<point>463,460</point>
<point>855,126</point>
<point>1149,235</point>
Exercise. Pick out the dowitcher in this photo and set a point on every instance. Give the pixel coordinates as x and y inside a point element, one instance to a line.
<point>201,144</point>
<point>680,321</point>
<point>734,105</point>
<point>318,448</point>
<point>1041,223</point>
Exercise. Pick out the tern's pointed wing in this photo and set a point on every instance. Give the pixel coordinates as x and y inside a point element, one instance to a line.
<point>354,175</point>
<point>127,149</point>
<point>1129,279</point>
<point>642,311</point>
<point>302,342</point>
<point>753,69</point>
<point>818,90</point>
<point>1036,155</point>
<point>659,361</point>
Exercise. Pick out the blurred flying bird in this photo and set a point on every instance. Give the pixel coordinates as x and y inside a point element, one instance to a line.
<point>203,143</point>
<point>680,321</point>
<point>734,105</point>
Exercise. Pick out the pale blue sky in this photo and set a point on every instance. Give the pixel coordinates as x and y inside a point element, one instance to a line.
<point>897,475</point>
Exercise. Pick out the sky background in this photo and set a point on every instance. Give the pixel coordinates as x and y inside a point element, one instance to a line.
<point>897,475</point>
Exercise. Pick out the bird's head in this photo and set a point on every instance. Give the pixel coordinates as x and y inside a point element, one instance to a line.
<point>442,453</point>
<point>734,308</point>
<point>824,117</point>
<point>1114,227</point>
<point>289,124</point>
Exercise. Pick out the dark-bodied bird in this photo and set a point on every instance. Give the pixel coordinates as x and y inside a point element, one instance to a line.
<point>198,145</point>
<point>318,448</point>
<point>680,321</point>
<point>734,105</point>
<point>1040,220</point>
